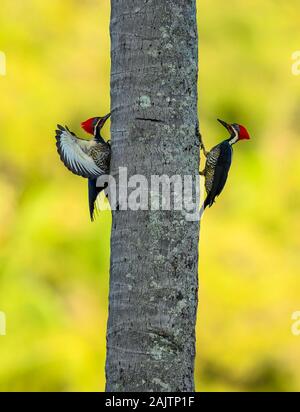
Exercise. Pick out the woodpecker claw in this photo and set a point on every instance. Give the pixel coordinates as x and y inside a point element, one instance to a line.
<point>201,141</point>
<point>204,151</point>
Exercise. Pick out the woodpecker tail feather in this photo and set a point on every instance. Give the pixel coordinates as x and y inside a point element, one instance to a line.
<point>208,201</point>
<point>94,191</point>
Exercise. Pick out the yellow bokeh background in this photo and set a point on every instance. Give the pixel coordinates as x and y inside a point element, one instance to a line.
<point>54,263</point>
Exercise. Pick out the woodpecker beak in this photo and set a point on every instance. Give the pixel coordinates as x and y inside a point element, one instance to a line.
<point>101,120</point>
<point>106,117</point>
<point>226,125</point>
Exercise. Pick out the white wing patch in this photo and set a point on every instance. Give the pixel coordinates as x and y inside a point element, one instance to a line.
<point>74,154</point>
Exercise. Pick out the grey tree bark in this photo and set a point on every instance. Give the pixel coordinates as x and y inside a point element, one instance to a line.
<point>154,254</point>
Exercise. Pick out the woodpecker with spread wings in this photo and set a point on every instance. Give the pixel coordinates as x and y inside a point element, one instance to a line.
<point>87,158</point>
<point>218,161</point>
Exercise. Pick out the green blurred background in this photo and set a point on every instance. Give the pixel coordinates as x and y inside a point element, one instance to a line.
<point>54,263</point>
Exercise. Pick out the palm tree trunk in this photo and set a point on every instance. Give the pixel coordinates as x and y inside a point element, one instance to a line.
<point>154,253</point>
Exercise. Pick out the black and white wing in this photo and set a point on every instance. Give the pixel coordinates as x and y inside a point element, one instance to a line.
<point>74,153</point>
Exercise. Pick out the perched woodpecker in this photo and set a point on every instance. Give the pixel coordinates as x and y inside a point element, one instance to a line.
<point>218,161</point>
<point>86,158</point>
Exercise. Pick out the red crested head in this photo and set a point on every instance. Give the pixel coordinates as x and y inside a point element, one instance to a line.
<point>243,133</point>
<point>92,123</point>
<point>238,131</point>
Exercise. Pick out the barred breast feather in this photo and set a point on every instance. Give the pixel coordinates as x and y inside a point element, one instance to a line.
<point>100,153</point>
<point>216,171</point>
<point>211,162</point>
